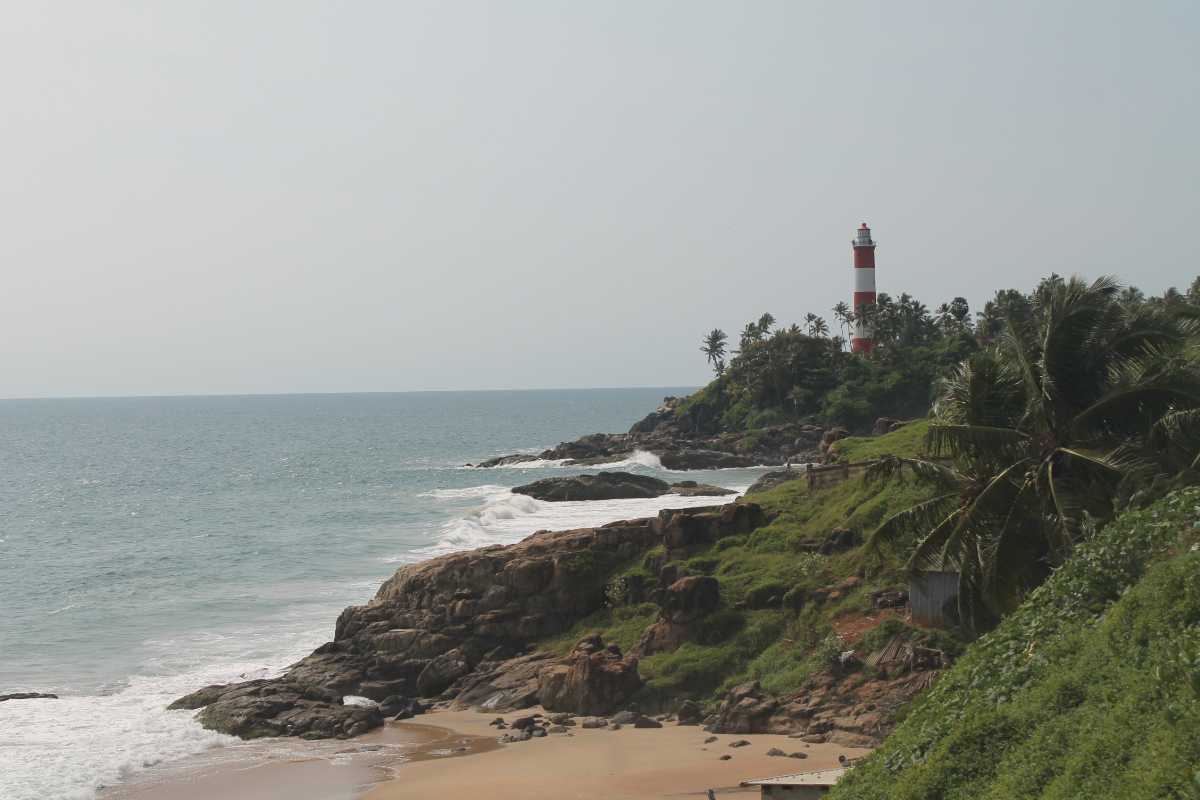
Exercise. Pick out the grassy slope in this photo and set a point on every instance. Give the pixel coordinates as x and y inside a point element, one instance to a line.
<point>906,441</point>
<point>1090,689</point>
<point>756,634</point>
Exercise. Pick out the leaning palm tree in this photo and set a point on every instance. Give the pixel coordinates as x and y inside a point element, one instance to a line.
<point>1033,436</point>
<point>713,348</point>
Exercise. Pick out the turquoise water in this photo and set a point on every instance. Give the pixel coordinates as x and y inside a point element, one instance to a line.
<point>149,545</point>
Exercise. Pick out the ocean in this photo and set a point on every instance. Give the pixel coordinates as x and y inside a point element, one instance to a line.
<point>149,546</point>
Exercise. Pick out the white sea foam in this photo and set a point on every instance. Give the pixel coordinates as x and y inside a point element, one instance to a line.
<point>459,494</point>
<point>506,518</point>
<point>638,458</point>
<point>71,747</point>
<point>537,463</point>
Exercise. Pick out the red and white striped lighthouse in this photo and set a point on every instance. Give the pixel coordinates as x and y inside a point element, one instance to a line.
<point>864,287</point>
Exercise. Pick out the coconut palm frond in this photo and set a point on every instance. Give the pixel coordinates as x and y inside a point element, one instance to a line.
<point>959,440</point>
<point>920,517</point>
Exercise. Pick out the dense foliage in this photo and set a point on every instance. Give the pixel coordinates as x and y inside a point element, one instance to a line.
<point>1090,689</point>
<point>1042,430</point>
<point>804,372</point>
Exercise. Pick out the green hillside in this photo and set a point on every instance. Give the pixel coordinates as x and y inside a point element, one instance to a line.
<point>761,632</point>
<point>1090,689</point>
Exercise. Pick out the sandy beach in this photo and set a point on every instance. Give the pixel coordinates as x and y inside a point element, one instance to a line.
<point>627,764</point>
<point>452,754</point>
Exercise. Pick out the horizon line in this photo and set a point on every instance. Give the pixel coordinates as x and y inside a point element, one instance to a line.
<point>188,395</point>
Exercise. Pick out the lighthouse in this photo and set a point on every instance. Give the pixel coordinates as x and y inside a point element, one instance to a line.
<point>864,287</point>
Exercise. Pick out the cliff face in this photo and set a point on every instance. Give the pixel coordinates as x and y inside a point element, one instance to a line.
<point>459,627</point>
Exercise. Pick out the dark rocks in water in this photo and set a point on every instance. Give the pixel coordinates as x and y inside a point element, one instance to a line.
<point>693,489</point>
<point>682,447</point>
<point>704,459</point>
<point>614,486</point>
<point>601,486</point>
<point>504,461</point>
<point>28,696</point>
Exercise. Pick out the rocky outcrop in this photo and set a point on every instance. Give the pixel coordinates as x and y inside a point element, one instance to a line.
<point>279,708</point>
<point>593,679</point>
<point>679,446</point>
<point>614,486</point>
<point>458,628</point>
<point>685,602</point>
<point>840,704</point>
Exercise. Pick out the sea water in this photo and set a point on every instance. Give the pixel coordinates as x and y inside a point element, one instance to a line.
<point>150,546</point>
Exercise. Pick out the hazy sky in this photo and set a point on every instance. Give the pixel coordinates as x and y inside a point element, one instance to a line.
<point>292,196</point>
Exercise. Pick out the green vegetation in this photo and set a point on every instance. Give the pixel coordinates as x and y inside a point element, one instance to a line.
<point>1044,429</point>
<point>908,441</point>
<point>1090,689</point>
<point>763,630</point>
<point>805,374</point>
<point>1056,474</point>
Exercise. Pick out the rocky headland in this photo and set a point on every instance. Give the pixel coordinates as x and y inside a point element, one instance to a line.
<point>679,445</point>
<point>462,631</point>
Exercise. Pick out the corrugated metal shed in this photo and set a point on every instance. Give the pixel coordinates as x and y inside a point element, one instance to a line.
<point>930,595</point>
<point>825,777</point>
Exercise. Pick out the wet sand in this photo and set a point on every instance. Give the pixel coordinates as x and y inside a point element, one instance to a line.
<point>290,769</point>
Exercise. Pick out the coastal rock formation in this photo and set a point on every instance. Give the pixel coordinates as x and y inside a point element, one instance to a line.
<point>684,602</point>
<point>279,708</point>
<point>28,696</point>
<point>837,705</point>
<point>679,445</point>
<point>593,679</point>
<point>614,486</point>
<point>458,628</point>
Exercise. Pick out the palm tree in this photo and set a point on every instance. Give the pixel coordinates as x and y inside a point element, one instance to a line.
<point>845,317</point>
<point>1040,430</point>
<point>815,325</point>
<point>714,348</point>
